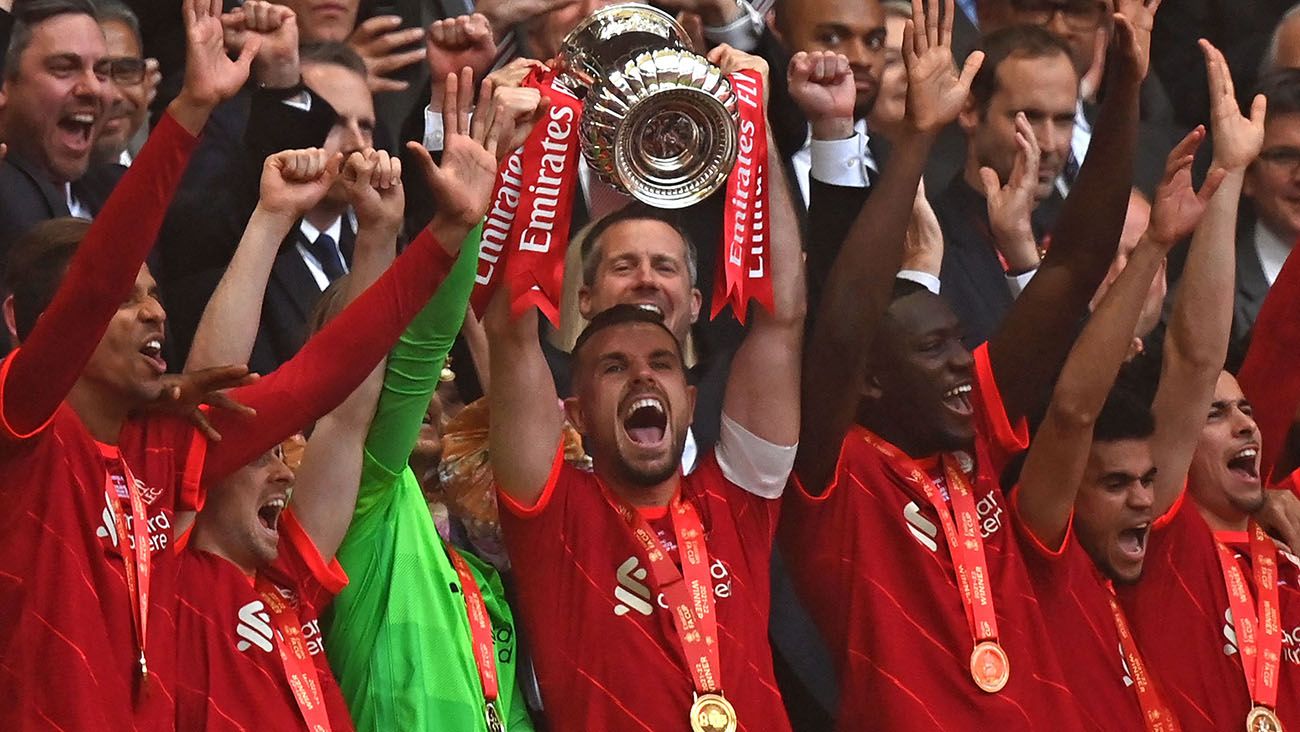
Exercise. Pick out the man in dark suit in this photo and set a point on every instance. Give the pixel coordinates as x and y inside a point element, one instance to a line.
<point>205,226</point>
<point>51,107</point>
<point>1027,83</point>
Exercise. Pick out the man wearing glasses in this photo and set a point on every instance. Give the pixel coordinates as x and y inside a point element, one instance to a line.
<point>1270,216</point>
<point>135,79</point>
<point>52,106</point>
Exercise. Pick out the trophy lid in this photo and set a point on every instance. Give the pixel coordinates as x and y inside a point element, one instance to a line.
<point>613,34</point>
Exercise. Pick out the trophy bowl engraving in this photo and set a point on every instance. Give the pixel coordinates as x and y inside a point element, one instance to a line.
<point>659,121</point>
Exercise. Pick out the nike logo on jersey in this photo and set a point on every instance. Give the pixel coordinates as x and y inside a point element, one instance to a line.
<point>254,628</point>
<point>633,592</point>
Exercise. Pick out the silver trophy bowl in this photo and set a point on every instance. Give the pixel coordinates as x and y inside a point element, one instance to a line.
<point>659,121</point>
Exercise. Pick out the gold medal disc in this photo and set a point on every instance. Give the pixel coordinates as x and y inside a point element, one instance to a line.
<point>990,667</point>
<point>712,713</point>
<point>1262,719</point>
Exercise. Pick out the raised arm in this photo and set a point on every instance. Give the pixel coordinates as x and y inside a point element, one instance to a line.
<point>858,289</point>
<point>416,362</point>
<point>1197,341</point>
<point>1059,451</point>
<point>1029,348</point>
<point>524,430</point>
<point>762,393</point>
<point>292,182</point>
<point>338,358</point>
<point>40,374</point>
<point>330,474</point>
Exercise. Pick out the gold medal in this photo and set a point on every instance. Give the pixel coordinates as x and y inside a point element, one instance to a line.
<point>712,713</point>
<point>1262,719</point>
<point>990,667</point>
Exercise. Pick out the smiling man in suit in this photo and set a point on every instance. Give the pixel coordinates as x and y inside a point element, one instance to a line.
<point>52,105</point>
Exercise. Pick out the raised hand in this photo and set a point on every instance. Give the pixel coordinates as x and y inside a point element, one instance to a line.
<point>1010,205</point>
<point>1134,20</point>
<point>504,15</point>
<point>372,183</point>
<point>276,64</point>
<point>524,106</point>
<point>1237,139</point>
<point>462,184</point>
<point>731,60</point>
<point>821,84</point>
<point>1178,206</point>
<point>514,73</point>
<point>923,245</point>
<point>378,42</point>
<point>936,92</point>
<point>455,43</point>
<point>211,77</point>
<point>293,181</point>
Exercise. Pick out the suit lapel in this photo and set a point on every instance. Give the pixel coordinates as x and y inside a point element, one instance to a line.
<point>55,199</point>
<point>291,275</point>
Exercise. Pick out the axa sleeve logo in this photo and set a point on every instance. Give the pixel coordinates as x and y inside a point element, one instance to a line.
<point>254,628</point>
<point>633,593</point>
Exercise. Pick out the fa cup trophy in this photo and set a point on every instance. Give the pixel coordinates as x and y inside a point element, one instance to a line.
<point>659,121</point>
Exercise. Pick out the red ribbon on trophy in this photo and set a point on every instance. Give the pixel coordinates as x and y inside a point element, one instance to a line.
<point>746,271</point>
<point>526,232</point>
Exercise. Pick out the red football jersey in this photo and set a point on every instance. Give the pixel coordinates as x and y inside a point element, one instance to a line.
<point>605,650</point>
<point>1180,614</point>
<point>230,675</point>
<point>68,654</point>
<point>873,567</point>
<point>1074,597</point>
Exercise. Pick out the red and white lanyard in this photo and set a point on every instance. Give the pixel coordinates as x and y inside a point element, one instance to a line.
<point>299,668</point>
<point>1155,713</point>
<point>1259,635</point>
<point>136,556</point>
<point>688,591</point>
<point>480,631</point>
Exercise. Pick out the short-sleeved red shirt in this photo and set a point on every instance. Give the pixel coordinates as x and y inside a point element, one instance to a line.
<point>68,653</point>
<point>605,649</point>
<point>230,676</point>
<point>870,560</point>
<point>1074,598</point>
<point>1180,615</point>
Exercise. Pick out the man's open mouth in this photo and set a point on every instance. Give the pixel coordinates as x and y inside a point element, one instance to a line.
<point>1133,540</point>
<point>1244,463</point>
<point>269,513</point>
<point>646,421</point>
<point>958,399</point>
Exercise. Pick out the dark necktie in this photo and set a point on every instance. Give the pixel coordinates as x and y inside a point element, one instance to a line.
<point>326,251</point>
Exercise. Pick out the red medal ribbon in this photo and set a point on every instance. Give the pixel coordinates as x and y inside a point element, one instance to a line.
<point>540,234</point>
<point>689,598</point>
<point>136,557</point>
<point>746,271</point>
<point>480,627</point>
<point>299,668</point>
<point>1259,635</point>
<point>1155,713</point>
<point>964,540</point>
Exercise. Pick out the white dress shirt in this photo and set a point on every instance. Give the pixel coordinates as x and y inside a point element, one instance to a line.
<point>1272,250</point>
<point>311,233</point>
